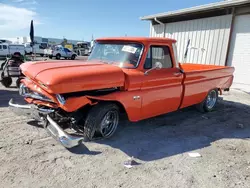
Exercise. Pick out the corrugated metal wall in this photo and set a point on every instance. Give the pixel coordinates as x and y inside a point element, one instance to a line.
<point>157,30</point>
<point>208,38</point>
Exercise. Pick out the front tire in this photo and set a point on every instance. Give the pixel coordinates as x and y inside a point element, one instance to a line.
<point>58,56</point>
<point>103,119</point>
<point>210,102</point>
<point>18,82</point>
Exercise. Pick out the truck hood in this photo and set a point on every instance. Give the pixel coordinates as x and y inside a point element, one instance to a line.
<point>72,76</point>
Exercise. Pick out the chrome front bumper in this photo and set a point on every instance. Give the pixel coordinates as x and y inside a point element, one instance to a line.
<point>67,140</point>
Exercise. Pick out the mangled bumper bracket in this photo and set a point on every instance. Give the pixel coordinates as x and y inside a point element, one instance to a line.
<point>59,134</point>
<point>67,140</point>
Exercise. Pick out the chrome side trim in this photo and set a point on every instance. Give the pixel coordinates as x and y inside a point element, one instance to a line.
<point>59,134</point>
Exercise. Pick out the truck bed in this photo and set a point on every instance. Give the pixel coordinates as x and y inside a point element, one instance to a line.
<point>199,79</point>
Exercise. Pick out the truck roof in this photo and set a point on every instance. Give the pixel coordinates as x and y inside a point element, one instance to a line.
<point>138,39</point>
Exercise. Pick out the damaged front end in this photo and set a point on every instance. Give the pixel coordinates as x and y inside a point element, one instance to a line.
<point>60,124</point>
<point>45,115</point>
<point>61,96</point>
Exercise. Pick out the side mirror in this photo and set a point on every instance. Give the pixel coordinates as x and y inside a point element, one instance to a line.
<point>158,66</point>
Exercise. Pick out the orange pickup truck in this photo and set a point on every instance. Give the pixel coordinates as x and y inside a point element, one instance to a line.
<point>140,77</point>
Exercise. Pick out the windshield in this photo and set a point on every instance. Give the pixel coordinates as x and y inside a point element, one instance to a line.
<point>126,55</point>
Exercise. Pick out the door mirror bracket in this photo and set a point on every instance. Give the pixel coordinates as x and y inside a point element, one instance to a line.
<point>158,66</point>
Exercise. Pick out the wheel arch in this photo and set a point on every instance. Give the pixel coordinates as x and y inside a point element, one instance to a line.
<point>124,100</point>
<point>203,106</point>
<point>118,103</point>
<point>208,91</point>
<point>123,107</point>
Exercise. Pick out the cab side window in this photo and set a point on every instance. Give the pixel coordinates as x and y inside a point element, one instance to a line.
<point>4,47</point>
<point>158,54</point>
<point>0,47</point>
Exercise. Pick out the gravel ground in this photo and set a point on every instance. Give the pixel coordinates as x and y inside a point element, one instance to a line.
<point>29,157</point>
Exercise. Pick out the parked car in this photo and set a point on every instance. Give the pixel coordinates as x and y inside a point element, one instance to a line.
<point>142,78</point>
<point>7,49</point>
<point>59,52</point>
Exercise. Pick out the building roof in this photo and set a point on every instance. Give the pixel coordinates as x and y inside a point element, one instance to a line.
<point>137,39</point>
<point>202,8</point>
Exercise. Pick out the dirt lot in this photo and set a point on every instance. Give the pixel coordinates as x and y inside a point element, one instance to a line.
<point>29,157</point>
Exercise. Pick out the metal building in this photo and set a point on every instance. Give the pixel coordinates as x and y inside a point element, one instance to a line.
<point>217,33</point>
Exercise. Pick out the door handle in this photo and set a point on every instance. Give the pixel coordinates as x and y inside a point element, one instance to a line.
<point>177,74</point>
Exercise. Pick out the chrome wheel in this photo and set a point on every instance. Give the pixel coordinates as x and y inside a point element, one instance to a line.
<point>109,123</point>
<point>211,99</point>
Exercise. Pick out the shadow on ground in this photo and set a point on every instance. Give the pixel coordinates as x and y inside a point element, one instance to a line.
<point>181,131</point>
<point>171,134</point>
<point>6,95</point>
<point>83,150</point>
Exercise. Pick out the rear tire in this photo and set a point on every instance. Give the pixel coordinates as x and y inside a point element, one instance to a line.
<point>58,56</point>
<point>210,102</point>
<point>102,118</point>
<point>73,57</point>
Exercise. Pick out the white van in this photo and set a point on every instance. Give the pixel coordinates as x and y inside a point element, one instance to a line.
<point>9,49</point>
<point>38,49</point>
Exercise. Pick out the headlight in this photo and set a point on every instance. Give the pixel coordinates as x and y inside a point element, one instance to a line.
<point>26,92</point>
<point>60,99</point>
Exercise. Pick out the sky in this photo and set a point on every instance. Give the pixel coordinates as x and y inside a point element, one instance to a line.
<point>82,19</point>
